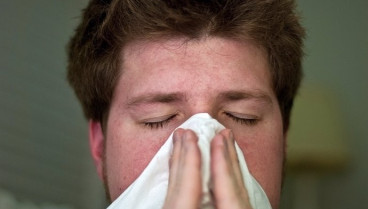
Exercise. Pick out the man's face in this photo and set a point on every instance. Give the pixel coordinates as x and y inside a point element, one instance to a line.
<point>165,82</point>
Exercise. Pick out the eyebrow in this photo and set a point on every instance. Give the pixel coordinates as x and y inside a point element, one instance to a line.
<point>177,97</point>
<point>155,98</point>
<point>245,95</point>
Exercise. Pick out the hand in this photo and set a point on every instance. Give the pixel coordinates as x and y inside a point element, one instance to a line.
<point>228,186</point>
<point>185,187</point>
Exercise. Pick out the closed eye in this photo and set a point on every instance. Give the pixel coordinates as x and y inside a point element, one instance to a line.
<point>243,120</point>
<point>159,122</point>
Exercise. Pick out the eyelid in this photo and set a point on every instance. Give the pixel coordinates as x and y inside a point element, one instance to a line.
<point>242,116</point>
<point>159,118</point>
<point>159,122</point>
<point>248,120</point>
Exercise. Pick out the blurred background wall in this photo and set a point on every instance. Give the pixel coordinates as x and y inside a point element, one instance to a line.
<point>337,62</point>
<point>44,157</point>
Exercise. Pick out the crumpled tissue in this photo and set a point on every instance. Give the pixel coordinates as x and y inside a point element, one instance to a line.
<point>149,190</point>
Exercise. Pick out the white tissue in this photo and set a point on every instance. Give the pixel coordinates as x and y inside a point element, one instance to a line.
<point>149,190</point>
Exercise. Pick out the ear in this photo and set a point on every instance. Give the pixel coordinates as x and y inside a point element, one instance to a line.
<point>96,145</point>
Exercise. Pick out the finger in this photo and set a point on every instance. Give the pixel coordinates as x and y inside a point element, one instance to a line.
<point>228,188</point>
<point>220,169</point>
<point>229,144</point>
<point>185,180</point>
<point>191,167</point>
<point>175,156</point>
<point>233,157</point>
<point>190,153</point>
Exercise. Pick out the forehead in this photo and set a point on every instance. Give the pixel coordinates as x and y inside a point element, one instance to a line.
<point>210,63</point>
<point>152,50</point>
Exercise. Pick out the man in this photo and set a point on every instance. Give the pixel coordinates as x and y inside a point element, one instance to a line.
<point>141,68</point>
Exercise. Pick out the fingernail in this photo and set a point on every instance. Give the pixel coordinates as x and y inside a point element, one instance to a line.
<point>176,136</point>
<point>174,139</point>
<point>231,135</point>
<point>186,135</point>
<point>170,161</point>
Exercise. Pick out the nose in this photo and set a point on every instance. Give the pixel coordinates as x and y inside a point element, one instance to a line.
<point>203,107</point>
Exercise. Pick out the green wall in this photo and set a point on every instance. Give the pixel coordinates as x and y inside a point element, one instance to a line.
<point>43,146</point>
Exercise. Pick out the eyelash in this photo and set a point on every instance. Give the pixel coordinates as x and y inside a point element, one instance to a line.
<point>159,124</point>
<point>242,121</point>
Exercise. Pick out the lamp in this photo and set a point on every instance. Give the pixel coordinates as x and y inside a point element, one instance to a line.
<point>315,142</point>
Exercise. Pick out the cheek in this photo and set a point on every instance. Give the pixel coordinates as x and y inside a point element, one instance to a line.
<point>127,155</point>
<point>264,154</point>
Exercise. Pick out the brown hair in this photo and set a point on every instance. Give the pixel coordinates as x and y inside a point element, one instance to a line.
<point>108,25</point>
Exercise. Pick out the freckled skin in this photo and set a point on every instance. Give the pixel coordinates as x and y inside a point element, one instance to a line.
<point>200,70</point>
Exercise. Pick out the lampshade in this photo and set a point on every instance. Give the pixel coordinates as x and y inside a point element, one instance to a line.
<point>316,138</point>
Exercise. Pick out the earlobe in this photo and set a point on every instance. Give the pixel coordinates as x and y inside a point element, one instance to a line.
<point>96,144</point>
